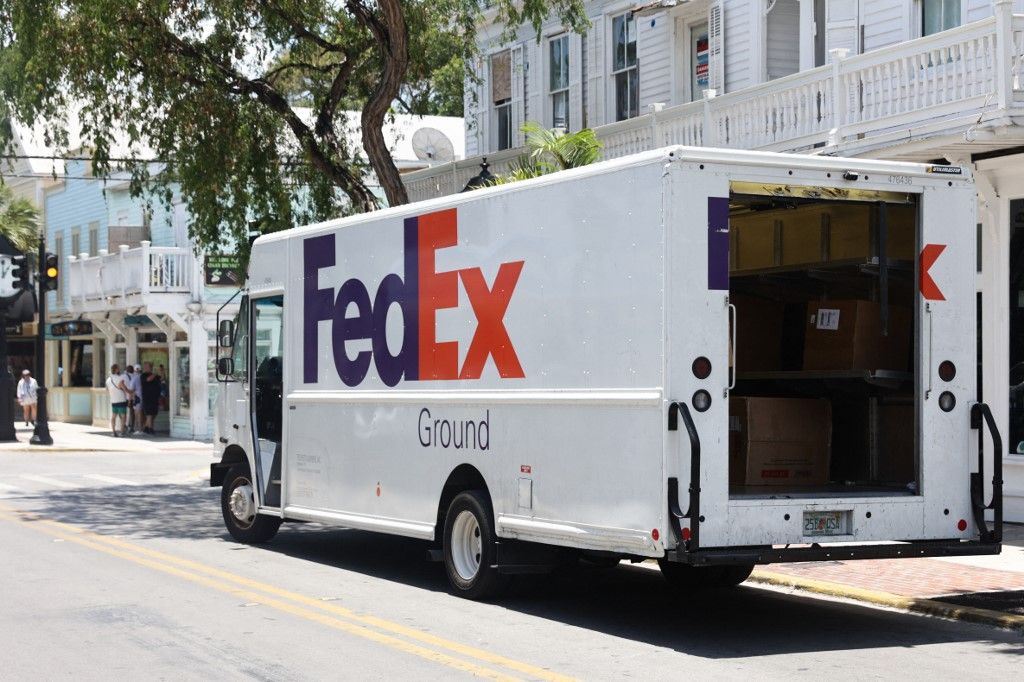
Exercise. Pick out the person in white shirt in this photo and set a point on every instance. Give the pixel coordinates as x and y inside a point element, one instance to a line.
<point>118,392</point>
<point>135,404</point>
<point>28,397</point>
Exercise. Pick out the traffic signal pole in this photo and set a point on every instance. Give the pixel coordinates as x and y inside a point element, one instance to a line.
<point>41,435</point>
<point>7,432</point>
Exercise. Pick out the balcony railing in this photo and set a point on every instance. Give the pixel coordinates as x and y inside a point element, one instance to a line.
<point>957,74</point>
<point>129,276</point>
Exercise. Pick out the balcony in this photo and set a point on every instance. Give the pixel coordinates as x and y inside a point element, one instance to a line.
<point>160,279</point>
<point>897,102</point>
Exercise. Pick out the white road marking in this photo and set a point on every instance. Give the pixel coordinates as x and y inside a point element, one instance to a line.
<point>48,481</point>
<point>110,479</point>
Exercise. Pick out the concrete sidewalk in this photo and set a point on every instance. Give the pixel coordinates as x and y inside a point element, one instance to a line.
<point>987,589</point>
<point>87,438</point>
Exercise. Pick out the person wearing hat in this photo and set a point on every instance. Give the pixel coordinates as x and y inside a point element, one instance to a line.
<point>28,396</point>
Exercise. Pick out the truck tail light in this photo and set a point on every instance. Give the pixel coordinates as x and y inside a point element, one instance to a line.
<point>947,401</point>
<point>961,525</point>
<point>701,368</point>
<point>947,370</point>
<point>701,400</point>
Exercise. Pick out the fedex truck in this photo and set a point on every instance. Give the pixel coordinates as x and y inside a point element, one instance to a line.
<point>713,359</point>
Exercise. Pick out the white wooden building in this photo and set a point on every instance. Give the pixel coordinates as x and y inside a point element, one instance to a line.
<point>916,80</point>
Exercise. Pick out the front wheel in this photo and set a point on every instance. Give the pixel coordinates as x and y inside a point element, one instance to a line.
<point>686,577</point>
<point>238,505</point>
<point>470,547</point>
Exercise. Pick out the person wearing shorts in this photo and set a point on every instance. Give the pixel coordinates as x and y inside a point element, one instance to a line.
<point>118,393</point>
<point>28,397</point>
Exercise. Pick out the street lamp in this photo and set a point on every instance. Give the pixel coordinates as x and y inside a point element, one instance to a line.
<point>49,270</point>
<point>482,179</point>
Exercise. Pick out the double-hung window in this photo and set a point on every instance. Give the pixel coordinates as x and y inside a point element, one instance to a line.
<point>501,98</point>
<point>939,15</point>
<point>624,67</point>
<point>558,81</point>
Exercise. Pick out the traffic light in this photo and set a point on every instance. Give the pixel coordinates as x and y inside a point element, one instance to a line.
<point>19,272</point>
<point>50,272</point>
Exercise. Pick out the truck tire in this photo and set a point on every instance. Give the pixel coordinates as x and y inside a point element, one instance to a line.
<point>238,506</point>
<point>470,549</point>
<point>686,577</point>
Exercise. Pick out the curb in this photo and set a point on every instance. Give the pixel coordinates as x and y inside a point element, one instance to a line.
<point>928,607</point>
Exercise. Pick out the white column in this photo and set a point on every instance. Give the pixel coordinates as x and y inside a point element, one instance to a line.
<point>198,347</point>
<point>806,34</point>
<point>995,302</point>
<point>131,346</point>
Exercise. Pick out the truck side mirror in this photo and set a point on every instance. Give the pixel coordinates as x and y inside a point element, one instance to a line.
<point>226,333</point>
<point>226,366</point>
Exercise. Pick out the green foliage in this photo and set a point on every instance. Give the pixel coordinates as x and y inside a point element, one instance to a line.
<point>19,221</point>
<point>551,150</point>
<point>214,90</point>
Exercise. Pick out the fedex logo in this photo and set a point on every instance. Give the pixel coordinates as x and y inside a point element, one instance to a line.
<point>420,292</point>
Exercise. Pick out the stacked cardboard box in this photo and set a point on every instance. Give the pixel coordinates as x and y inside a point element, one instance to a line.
<point>779,441</point>
<point>848,335</point>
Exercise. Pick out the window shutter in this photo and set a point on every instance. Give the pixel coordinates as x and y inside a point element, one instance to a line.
<point>841,27</point>
<point>518,95</point>
<point>534,81</point>
<point>716,50</point>
<point>575,82</point>
<point>596,73</point>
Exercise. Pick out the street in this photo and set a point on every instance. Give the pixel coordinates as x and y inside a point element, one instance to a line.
<point>117,566</point>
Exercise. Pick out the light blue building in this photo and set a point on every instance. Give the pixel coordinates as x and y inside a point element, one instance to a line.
<point>134,290</point>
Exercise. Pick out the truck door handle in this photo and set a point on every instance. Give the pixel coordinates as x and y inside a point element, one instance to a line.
<point>732,342</point>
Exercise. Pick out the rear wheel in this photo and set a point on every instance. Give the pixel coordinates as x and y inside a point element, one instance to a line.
<point>684,576</point>
<point>470,549</point>
<point>238,505</point>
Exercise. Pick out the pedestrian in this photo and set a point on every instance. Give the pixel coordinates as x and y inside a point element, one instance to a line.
<point>28,397</point>
<point>118,392</point>
<point>150,396</point>
<point>136,416</point>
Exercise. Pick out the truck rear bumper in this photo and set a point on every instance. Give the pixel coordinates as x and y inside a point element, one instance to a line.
<point>717,556</point>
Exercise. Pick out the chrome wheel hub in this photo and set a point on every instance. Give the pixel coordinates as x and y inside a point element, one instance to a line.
<point>466,545</point>
<point>242,504</point>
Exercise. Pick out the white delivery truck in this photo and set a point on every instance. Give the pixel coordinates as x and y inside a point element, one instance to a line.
<point>711,358</point>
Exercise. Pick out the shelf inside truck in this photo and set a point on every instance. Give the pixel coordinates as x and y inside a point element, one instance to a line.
<point>863,266</point>
<point>876,377</point>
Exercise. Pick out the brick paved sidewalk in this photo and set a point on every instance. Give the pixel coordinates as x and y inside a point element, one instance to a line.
<point>923,578</point>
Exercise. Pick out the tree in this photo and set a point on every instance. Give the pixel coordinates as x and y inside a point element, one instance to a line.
<point>19,221</point>
<point>551,150</point>
<point>243,101</point>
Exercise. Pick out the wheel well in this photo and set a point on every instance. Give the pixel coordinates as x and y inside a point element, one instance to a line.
<point>233,454</point>
<point>463,477</point>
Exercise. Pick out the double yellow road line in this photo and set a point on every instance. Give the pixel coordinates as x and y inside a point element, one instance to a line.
<point>387,633</point>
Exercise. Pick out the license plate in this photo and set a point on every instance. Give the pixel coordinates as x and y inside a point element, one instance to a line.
<point>826,523</point>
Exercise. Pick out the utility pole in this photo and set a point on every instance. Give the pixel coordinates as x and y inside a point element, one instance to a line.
<point>41,435</point>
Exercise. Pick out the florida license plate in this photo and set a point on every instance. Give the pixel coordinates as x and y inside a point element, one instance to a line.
<point>826,523</point>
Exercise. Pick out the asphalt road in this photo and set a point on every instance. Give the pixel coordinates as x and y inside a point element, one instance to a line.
<point>116,566</point>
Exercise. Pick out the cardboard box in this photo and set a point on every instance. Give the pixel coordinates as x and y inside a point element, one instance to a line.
<point>896,452</point>
<point>848,335</point>
<point>758,333</point>
<point>779,441</point>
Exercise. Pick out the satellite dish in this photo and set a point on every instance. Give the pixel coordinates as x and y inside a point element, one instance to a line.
<point>430,144</point>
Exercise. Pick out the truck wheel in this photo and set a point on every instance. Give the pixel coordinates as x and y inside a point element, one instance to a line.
<point>684,576</point>
<point>238,504</point>
<point>470,550</point>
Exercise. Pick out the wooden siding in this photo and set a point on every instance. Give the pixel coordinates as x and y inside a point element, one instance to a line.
<point>737,30</point>
<point>654,52</point>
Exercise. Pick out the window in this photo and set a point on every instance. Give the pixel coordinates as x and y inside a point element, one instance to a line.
<point>184,385</point>
<point>58,250</point>
<point>501,98</point>
<point>624,67</point>
<point>558,81</point>
<point>94,238</point>
<point>939,15</point>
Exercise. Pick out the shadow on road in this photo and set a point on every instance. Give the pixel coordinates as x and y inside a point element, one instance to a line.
<point>631,602</point>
